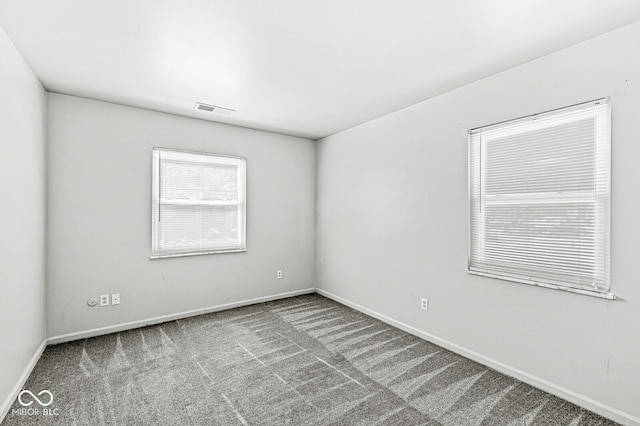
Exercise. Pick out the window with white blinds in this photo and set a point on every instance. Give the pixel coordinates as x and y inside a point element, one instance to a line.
<point>198,203</point>
<point>539,199</point>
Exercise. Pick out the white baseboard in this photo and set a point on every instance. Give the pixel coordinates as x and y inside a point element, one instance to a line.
<point>6,405</point>
<point>552,388</point>
<point>172,317</point>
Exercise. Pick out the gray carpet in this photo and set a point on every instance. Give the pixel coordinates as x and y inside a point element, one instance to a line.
<point>301,361</point>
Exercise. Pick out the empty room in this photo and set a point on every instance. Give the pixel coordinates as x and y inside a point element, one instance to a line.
<point>319,213</point>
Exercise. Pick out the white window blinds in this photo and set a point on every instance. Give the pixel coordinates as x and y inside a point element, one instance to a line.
<point>539,198</point>
<point>198,203</point>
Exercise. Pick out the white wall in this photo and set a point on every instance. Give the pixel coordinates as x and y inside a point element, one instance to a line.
<point>99,233</point>
<point>23,104</point>
<point>392,225</point>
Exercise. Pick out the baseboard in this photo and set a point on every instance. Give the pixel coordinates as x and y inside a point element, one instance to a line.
<point>172,317</point>
<point>567,394</point>
<point>6,405</point>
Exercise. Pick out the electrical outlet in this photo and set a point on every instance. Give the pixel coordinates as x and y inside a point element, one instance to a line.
<point>104,300</point>
<point>279,274</point>
<point>424,304</point>
<point>92,302</point>
<point>115,299</point>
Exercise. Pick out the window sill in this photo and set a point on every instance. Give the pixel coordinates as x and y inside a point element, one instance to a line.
<point>592,293</point>
<point>164,256</point>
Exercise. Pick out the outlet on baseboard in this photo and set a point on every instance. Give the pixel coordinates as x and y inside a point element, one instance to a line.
<point>115,299</point>
<point>424,304</point>
<point>279,274</point>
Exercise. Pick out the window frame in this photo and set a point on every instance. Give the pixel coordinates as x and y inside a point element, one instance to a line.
<point>156,252</point>
<point>605,145</point>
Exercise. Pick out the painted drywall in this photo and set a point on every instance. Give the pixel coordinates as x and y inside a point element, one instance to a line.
<point>23,104</point>
<point>392,225</point>
<point>99,233</point>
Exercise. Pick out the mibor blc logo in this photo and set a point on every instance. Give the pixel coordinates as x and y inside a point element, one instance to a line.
<point>39,401</point>
<point>44,398</point>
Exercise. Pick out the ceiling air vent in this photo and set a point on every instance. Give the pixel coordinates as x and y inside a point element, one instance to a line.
<point>213,108</point>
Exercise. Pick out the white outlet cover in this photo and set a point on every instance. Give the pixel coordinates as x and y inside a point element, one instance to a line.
<point>424,304</point>
<point>115,299</point>
<point>104,300</point>
<point>92,302</point>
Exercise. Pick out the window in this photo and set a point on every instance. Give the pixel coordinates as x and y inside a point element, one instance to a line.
<point>198,203</point>
<point>539,199</point>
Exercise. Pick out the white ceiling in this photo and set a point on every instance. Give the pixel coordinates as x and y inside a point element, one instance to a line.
<point>299,67</point>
